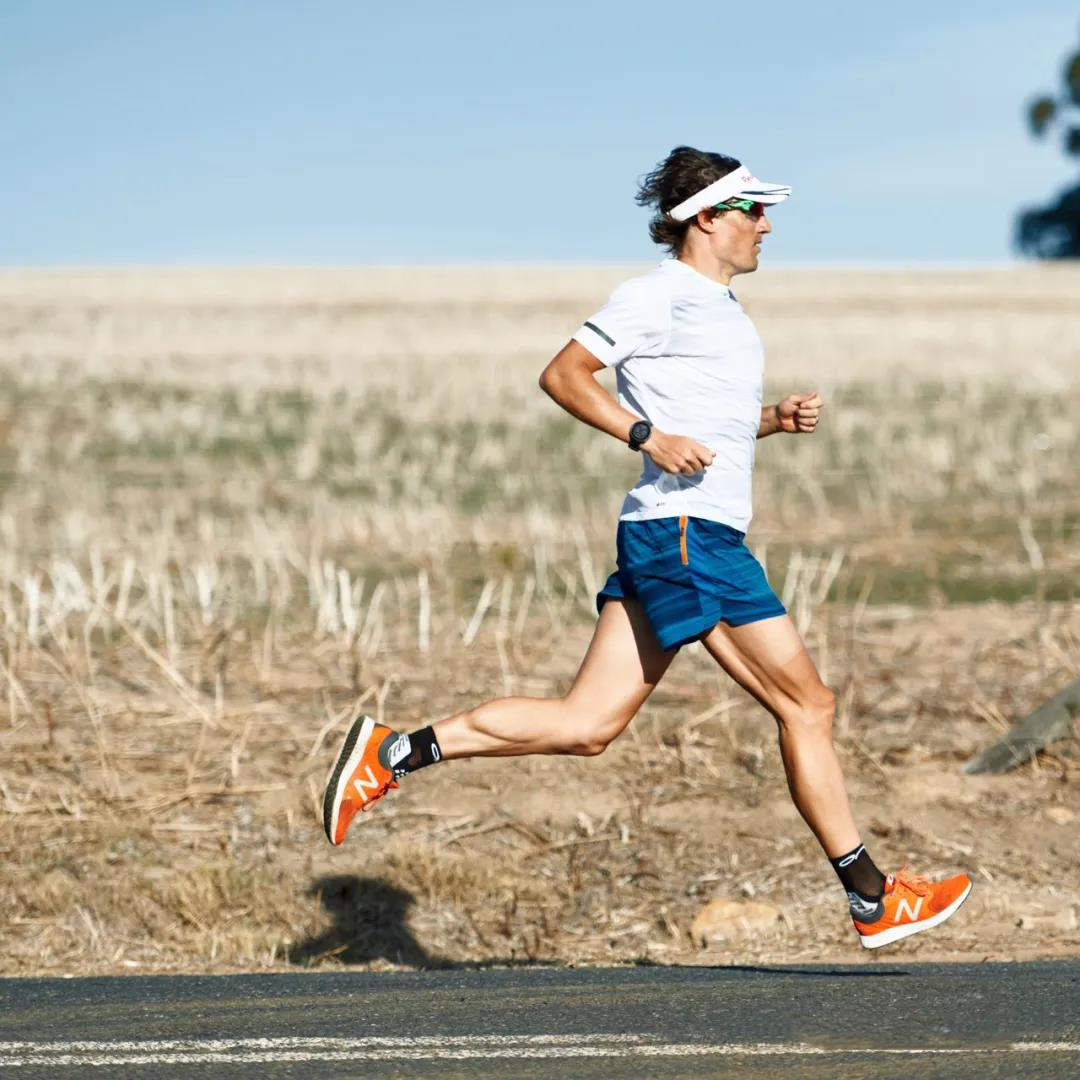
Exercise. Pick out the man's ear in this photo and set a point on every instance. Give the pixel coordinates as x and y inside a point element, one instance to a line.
<point>707,220</point>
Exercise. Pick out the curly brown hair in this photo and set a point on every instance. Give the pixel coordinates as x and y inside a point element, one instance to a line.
<point>684,172</point>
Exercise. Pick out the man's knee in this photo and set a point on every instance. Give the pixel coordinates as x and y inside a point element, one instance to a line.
<point>812,713</point>
<point>590,734</point>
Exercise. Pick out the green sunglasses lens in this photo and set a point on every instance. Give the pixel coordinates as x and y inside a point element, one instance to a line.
<point>747,206</point>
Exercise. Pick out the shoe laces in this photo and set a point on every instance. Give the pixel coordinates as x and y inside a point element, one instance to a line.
<point>375,798</point>
<point>920,886</point>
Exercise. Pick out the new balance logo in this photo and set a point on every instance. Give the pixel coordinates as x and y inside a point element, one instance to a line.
<point>370,783</point>
<point>399,750</point>
<point>860,907</point>
<point>912,912</point>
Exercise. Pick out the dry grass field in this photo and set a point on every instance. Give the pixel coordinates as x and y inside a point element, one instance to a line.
<point>237,506</point>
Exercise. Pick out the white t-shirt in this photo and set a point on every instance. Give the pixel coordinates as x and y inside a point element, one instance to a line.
<point>689,360</point>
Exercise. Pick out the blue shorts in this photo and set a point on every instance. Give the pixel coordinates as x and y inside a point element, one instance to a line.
<point>689,574</point>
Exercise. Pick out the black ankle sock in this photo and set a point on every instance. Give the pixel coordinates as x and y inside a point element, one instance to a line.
<point>859,876</point>
<point>403,754</point>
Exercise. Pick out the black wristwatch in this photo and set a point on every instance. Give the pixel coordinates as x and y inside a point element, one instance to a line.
<point>640,431</point>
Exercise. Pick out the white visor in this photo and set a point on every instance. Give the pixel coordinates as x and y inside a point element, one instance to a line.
<point>740,184</point>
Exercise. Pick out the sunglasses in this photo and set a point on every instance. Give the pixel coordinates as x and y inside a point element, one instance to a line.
<point>752,209</point>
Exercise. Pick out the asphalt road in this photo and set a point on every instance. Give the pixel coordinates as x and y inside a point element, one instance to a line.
<point>872,1020</point>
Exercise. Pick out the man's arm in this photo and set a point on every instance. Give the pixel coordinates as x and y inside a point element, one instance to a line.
<point>570,381</point>
<point>770,421</point>
<point>797,414</point>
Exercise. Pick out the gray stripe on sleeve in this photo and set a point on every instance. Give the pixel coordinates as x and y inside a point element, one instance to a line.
<point>596,330</point>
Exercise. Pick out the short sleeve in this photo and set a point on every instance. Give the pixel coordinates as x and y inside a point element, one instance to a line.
<point>635,319</point>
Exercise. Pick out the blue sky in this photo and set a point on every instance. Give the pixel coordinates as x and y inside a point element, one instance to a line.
<point>259,131</point>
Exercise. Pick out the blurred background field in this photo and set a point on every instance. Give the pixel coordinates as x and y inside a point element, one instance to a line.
<point>235,506</point>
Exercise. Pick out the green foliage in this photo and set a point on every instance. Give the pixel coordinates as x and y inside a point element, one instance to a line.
<point>1046,110</point>
<point>1053,231</point>
<point>1041,113</point>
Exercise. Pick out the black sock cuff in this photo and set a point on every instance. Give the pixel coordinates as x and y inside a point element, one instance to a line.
<point>841,862</point>
<point>404,754</point>
<point>859,875</point>
<point>426,744</point>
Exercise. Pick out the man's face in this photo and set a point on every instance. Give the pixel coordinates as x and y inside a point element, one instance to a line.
<point>738,236</point>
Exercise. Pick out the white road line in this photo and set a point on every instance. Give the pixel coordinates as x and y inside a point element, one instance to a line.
<point>297,1042</point>
<point>460,1047</point>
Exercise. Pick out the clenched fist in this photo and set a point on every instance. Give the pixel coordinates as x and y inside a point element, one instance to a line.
<point>677,453</point>
<point>798,413</point>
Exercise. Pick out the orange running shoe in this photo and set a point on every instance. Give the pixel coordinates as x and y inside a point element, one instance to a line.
<point>912,904</point>
<point>359,777</point>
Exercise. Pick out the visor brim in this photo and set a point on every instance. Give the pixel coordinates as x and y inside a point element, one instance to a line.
<point>741,184</point>
<point>759,191</point>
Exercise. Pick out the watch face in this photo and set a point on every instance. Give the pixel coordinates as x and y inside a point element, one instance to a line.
<point>639,432</point>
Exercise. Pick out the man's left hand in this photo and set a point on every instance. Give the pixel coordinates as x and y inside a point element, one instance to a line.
<point>798,413</point>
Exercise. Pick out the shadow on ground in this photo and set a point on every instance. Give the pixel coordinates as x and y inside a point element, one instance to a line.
<point>370,923</point>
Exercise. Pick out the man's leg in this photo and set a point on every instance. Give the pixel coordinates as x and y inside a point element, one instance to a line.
<point>769,660</point>
<point>623,664</point>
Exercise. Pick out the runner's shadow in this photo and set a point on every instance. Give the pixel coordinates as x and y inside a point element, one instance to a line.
<point>370,923</point>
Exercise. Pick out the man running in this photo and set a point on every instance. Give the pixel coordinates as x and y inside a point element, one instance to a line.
<point>689,369</point>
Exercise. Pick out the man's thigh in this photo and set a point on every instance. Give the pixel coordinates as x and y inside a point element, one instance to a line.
<point>624,661</point>
<point>769,660</point>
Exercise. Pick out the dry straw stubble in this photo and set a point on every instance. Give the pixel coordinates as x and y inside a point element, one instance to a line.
<point>238,505</point>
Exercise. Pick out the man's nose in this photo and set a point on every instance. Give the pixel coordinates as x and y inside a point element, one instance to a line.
<point>764,225</point>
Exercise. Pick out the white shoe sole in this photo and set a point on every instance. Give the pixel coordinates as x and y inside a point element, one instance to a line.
<point>352,750</point>
<point>897,933</point>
